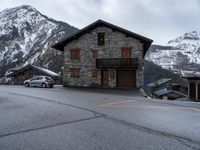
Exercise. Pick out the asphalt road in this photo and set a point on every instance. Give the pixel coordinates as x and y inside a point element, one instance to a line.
<point>94,119</point>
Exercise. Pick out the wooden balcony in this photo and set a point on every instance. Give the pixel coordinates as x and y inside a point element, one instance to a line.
<point>117,63</point>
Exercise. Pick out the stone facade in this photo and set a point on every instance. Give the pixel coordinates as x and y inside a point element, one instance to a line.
<point>22,76</point>
<point>114,41</point>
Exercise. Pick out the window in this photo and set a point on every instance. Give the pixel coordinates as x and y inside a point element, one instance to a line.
<point>94,54</point>
<point>34,78</point>
<point>39,78</point>
<point>75,54</point>
<point>101,39</point>
<point>48,78</point>
<point>126,52</point>
<point>94,73</point>
<point>75,72</point>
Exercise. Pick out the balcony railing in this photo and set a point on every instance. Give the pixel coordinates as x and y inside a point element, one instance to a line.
<point>117,63</point>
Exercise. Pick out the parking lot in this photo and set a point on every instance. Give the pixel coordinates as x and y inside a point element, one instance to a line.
<point>79,118</point>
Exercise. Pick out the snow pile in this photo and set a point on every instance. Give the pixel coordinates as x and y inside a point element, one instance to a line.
<point>47,71</point>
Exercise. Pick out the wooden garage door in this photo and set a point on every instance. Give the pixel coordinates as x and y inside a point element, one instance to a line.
<point>126,78</point>
<point>192,90</point>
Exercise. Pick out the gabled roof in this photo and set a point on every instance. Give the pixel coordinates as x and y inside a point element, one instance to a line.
<point>39,69</point>
<point>60,45</point>
<point>166,91</point>
<point>163,91</point>
<point>159,82</point>
<point>16,68</point>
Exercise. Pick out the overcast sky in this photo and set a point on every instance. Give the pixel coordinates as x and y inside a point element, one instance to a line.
<point>160,20</point>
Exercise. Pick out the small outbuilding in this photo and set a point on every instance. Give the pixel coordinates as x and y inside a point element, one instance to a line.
<point>154,86</point>
<point>194,87</point>
<point>19,74</point>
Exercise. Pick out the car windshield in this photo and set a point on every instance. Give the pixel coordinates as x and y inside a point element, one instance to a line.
<point>39,78</point>
<point>34,78</point>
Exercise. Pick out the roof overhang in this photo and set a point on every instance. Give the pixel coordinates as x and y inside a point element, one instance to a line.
<point>192,78</point>
<point>29,66</point>
<point>146,41</point>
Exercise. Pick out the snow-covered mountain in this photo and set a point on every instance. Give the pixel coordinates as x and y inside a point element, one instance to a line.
<point>26,36</point>
<point>181,55</point>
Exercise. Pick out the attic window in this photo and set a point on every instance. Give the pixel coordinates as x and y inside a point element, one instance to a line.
<point>101,39</point>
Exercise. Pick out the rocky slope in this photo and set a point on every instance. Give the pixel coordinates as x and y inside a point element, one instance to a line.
<point>181,55</point>
<point>26,36</point>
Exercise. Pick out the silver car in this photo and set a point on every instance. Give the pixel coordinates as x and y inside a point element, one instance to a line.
<point>39,81</point>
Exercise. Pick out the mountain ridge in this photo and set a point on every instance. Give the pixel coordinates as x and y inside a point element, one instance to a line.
<point>180,55</point>
<point>26,36</point>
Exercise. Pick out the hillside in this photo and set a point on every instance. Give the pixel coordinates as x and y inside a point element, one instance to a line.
<point>26,36</point>
<point>181,55</point>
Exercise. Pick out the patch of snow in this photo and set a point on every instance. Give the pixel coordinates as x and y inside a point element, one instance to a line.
<point>186,51</point>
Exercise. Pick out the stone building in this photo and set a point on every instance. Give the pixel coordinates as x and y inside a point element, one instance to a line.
<point>20,74</point>
<point>104,55</point>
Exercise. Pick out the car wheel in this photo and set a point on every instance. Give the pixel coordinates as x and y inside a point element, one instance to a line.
<point>44,85</point>
<point>27,84</point>
<point>51,86</point>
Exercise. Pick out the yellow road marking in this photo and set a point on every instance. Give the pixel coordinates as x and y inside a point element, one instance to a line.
<point>110,104</point>
<point>114,104</point>
<point>157,107</point>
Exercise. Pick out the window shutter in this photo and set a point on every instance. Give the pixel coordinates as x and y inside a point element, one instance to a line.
<point>94,73</point>
<point>74,72</point>
<point>75,54</point>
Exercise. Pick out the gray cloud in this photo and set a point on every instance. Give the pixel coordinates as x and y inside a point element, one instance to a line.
<point>161,20</point>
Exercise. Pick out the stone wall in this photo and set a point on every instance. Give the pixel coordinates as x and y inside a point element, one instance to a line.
<point>114,41</point>
<point>21,77</point>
